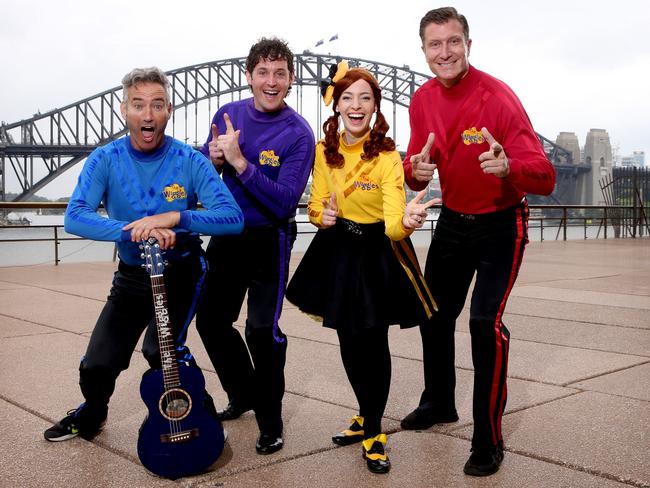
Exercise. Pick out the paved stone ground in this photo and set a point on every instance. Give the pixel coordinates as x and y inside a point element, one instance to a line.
<point>578,412</point>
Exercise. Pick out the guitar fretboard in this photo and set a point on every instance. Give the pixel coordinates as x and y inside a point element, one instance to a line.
<point>165,333</point>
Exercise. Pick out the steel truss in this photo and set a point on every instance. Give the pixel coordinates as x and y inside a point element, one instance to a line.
<point>41,148</point>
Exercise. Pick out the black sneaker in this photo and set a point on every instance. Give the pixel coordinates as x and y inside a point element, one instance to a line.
<point>352,434</point>
<point>484,462</point>
<point>421,419</point>
<point>72,425</point>
<point>268,444</point>
<point>233,411</point>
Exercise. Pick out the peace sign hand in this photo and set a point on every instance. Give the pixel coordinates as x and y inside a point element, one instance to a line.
<point>415,213</point>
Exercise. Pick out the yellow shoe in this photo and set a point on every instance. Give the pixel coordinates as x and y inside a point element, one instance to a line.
<point>352,434</point>
<point>373,453</point>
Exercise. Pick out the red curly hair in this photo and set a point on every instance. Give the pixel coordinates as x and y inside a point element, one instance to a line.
<point>377,142</point>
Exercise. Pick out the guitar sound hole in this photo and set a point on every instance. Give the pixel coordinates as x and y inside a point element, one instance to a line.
<point>176,408</point>
<point>175,404</point>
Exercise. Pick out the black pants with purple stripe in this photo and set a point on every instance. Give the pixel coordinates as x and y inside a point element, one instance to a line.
<point>490,247</point>
<point>254,262</point>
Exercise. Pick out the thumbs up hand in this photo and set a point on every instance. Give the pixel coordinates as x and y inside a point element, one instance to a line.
<point>216,154</point>
<point>421,166</point>
<point>330,211</point>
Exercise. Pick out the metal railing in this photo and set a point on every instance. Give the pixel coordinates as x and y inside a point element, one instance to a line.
<point>565,221</point>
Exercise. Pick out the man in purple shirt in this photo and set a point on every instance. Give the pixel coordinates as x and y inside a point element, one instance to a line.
<point>265,152</point>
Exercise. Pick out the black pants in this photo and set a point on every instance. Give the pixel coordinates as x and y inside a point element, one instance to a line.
<point>129,311</point>
<point>255,262</point>
<point>492,247</point>
<point>366,359</point>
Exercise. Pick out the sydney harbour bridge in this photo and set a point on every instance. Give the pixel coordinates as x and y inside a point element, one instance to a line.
<point>35,151</point>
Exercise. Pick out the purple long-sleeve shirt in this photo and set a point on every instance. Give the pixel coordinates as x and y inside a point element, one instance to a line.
<point>279,147</point>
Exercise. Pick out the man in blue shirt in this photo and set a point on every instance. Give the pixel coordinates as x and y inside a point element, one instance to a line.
<point>150,185</point>
<point>265,151</point>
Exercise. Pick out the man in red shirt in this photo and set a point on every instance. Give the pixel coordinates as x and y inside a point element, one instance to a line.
<point>473,129</point>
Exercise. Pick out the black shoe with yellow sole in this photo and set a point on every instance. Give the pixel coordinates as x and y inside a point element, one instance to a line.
<point>374,454</point>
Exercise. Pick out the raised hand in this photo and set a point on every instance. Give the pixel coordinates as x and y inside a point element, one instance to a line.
<point>330,211</point>
<point>216,154</point>
<point>495,160</point>
<point>415,213</point>
<point>229,144</point>
<point>422,168</point>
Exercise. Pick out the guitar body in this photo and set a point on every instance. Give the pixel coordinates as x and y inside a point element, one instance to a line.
<point>178,437</point>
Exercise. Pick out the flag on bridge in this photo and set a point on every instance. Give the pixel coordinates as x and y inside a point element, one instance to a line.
<point>334,38</point>
<point>320,43</point>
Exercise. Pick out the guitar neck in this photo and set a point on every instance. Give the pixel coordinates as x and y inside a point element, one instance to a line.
<point>165,333</point>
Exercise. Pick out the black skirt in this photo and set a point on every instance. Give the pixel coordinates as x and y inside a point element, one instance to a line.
<point>353,275</point>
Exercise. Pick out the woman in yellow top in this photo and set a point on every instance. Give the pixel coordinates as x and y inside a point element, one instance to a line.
<point>360,274</point>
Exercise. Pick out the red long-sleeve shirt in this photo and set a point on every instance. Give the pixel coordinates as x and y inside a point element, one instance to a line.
<point>456,115</point>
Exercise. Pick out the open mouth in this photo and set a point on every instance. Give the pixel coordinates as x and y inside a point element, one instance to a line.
<point>270,93</point>
<point>147,133</point>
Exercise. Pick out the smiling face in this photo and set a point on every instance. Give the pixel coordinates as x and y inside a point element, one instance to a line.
<point>146,110</point>
<point>270,81</point>
<point>446,51</point>
<point>356,106</point>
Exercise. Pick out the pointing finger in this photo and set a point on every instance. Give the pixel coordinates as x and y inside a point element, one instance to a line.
<point>229,127</point>
<point>427,147</point>
<point>494,145</point>
<point>215,132</point>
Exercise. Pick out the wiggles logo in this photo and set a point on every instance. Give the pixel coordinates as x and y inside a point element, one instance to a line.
<point>365,183</point>
<point>473,136</point>
<point>174,192</point>
<point>269,158</point>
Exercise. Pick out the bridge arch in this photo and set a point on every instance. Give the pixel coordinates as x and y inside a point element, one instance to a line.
<point>37,150</point>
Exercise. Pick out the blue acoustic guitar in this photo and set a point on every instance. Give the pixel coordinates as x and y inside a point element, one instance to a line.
<point>178,437</point>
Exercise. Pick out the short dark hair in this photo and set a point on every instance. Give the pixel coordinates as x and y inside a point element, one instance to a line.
<point>442,16</point>
<point>272,49</point>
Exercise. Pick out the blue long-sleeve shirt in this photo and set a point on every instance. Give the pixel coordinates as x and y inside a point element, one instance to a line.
<point>280,149</point>
<point>133,184</point>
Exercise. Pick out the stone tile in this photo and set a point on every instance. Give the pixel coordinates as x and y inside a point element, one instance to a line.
<point>29,461</point>
<point>51,308</point>
<point>10,327</point>
<point>579,312</point>
<point>91,280</point>
<point>582,335</point>
<point>583,296</point>
<point>600,433</point>
<point>418,460</point>
<point>314,370</point>
<point>631,382</point>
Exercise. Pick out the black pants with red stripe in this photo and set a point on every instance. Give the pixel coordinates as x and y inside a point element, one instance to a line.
<point>490,247</point>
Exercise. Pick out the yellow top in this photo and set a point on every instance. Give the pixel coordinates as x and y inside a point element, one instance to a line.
<point>367,192</point>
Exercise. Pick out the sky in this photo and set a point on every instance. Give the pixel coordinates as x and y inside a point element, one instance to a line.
<point>574,64</point>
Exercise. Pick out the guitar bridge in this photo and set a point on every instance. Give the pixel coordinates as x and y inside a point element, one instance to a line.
<point>184,436</point>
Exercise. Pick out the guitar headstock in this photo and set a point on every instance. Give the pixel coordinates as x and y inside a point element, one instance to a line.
<point>153,260</point>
